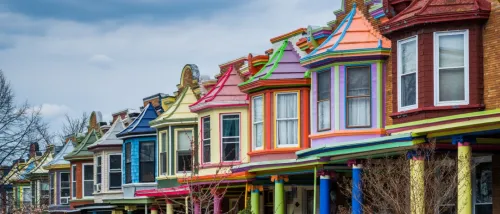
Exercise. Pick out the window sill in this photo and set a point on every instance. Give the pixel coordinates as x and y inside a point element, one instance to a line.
<point>274,151</point>
<point>434,108</point>
<point>340,133</point>
<point>222,164</point>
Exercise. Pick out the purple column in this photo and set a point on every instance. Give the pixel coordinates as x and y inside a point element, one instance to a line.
<point>197,207</point>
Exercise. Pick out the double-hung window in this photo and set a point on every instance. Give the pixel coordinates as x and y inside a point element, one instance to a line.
<point>73,181</point>
<point>44,192</point>
<point>257,122</point>
<point>324,90</point>
<point>184,156</point>
<point>51,183</point>
<point>33,193</point>
<point>287,124</point>
<point>147,162</point>
<point>128,163</point>
<point>115,171</point>
<point>99,170</point>
<point>206,139</point>
<point>87,180</point>
<point>230,137</point>
<point>451,68</point>
<point>26,196</point>
<point>163,153</point>
<point>65,188</point>
<point>407,74</point>
<point>358,97</point>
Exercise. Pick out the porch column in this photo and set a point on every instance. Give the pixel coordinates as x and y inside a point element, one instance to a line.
<point>417,177</point>
<point>357,192</point>
<point>255,200</point>
<point>279,190</point>
<point>197,206</point>
<point>130,209</point>
<point>464,189</point>
<point>217,200</point>
<point>324,193</point>
<point>154,210</point>
<point>170,207</point>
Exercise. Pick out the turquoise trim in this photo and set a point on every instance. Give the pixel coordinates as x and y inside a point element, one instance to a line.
<point>350,18</point>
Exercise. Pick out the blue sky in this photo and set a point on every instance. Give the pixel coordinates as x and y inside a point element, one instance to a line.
<point>70,56</point>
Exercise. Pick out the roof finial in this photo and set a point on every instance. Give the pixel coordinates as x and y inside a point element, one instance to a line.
<point>354,5</point>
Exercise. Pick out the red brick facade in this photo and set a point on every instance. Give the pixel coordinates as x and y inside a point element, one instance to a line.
<point>491,44</point>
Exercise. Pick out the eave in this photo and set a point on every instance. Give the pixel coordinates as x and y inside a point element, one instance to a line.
<point>275,83</point>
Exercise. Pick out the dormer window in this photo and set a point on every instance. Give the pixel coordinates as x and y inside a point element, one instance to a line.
<point>257,122</point>
<point>451,68</point>
<point>358,91</point>
<point>407,73</point>
<point>287,125</point>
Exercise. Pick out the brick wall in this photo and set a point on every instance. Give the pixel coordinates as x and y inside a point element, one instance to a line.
<point>491,43</point>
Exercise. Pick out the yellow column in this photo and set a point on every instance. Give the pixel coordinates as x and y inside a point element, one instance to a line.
<point>417,193</point>
<point>464,190</point>
<point>170,207</point>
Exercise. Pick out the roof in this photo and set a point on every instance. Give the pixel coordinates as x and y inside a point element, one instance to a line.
<point>354,33</point>
<point>110,139</point>
<point>427,11</point>
<point>46,158</point>
<point>179,111</point>
<point>141,124</point>
<point>58,159</point>
<point>283,64</point>
<point>224,93</point>
<point>81,150</point>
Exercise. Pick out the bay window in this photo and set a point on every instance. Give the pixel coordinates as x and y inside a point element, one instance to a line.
<point>115,171</point>
<point>324,90</point>
<point>206,139</point>
<point>73,181</point>
<point>230,137</point>
<point>184,156</point>
<point>451,68</point>
<point>128,163</point>
<point>407,74</point>
<point>257,122</point>
<point>65,188</point>
<point>358,90</point>
<point>163,153</point>
<point>87,180</point>
<point>147,162</point>
<point>287,119</point>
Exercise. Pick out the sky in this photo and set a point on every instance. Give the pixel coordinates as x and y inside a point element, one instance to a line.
<point>74,56</point>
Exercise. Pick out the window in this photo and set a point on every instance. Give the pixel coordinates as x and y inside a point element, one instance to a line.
<point>99,170</point>
<point>26,196</point>
<point>73,181</point>
<point>33,192</point>
<point>65,188</point>
<point>358,97</point>
<point>88,180</point>
<point>44,192</point>
<point>163,153</point>
<point>287,119</point>
<point>230,137</point>
<point>51,182</point>
<point>258,122</point>
<point>324,90</point>
<point>147,162</point>
<point>407,74</point>
<point>115,171</point>
<point>128,163</point>
<point>184,156</point>
<point>451,68</point>
<point>483,188</point>
<point>206,139</point>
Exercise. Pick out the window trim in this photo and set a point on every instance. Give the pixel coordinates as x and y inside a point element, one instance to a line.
<point>466,100</point>
<point>203,140</point>
<point>221,137</point>
<point>83,180</point>
<point>110,170</point>
<point>254,147</point>
<point>129,144</point>
<point>139,161</point>
<point>400,72</point>
<point>318,101</point>
<point>160,151</point>
<point>73,171</point>
<point>96,172</point>
<point>60,187</point>
<point>346,97</point>
<point>176,141</point>
<point>275,122</point>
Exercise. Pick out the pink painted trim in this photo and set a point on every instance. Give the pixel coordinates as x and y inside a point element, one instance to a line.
<point>220,105</point>
<point>173,191</point>
<point>220,136</point>
<point>463,144</point>
<point>223,164</point>
<point>224,79</point>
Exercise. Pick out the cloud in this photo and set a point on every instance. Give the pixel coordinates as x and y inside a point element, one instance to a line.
<point>101,61</point>
<point>51,111</point>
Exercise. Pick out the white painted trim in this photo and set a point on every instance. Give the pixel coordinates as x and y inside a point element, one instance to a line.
<point>261,96</point>
<point>400,70</point>
<point>73,196</point>
<point>60,188</point>
<point>276,127</point>
<point>221,137</point>
<point>109,170</point>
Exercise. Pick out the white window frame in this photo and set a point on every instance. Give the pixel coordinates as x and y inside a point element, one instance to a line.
<point>400,72</point>
<point>95,169</point>
<point>203,139</point>
<point>26,189</point>
<point>73,190</point>
<point>466,68</point>
<point>259,122</point>
<point>60,186</point>
<point>221,129</point>
<point>110,170</point>
<point>277,119</point>
<point>177,170</point>
<point>83,180</point>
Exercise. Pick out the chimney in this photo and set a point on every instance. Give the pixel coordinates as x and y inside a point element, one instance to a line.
<point>33,150</point>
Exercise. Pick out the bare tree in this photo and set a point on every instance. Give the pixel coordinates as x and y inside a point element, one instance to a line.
<point>73,126</point>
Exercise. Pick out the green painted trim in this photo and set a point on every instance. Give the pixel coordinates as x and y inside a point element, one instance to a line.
<point>130,201</point>
<point>282,167</point>
<point>345,160</point>
<point>315,189</point>
<point>336,92</point>
<point>343,54</point>
<point>366,148</point>
<point>379,94</point>
<point>271,60</point>
<point>176,105</point>
<point>443,119</point>
<point>275,65</point>
<point>307,74</point>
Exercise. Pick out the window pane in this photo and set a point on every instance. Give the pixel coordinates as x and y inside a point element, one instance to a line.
<point>88,188</point>
<point>27,194</point>
<point>231,150</point>
<point>324,85</point>
<point>184,139</point>
<point>184,161</point>
<point>65,177</point>
<point>147,172</point>
<point>358,111</point>
<point>230,125</point>
<point>451,84</point>
<point>128,174</point>
<point>408,89</point>
<point>484,209</point>
<point>206,128</point>
<point>287,132</point>
<point>147,151</point>
<point>128,153</point>
<point>409,57</point>
<point>451,51</point>
<point>115,162</point>
<point>88,171</point>
<point>483,184</point>
<point>163,162</point>
<point>258,111</point>
<point>206,152</point>
<point>287,106</point>
<point>163,141</point>
<point>324,115</point>
<point>358,81</point>
<point>258,134</point>
<point>115,180</point>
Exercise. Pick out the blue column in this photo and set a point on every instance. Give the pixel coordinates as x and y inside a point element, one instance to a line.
<point>324,194</point>
<point>357,193</point>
